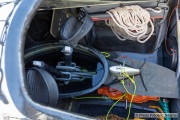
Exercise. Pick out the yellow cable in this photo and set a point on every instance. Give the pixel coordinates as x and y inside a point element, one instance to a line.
<point>106,54</point>
<point>132,80</point>
<point>122,81</point>
<point>129,112</point>
<point>113,106</point>
<point>160,110</point>
<point>156,107</point>
<point>127,75</point>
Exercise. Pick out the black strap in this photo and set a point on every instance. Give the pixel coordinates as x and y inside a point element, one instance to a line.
<point>83,30</point>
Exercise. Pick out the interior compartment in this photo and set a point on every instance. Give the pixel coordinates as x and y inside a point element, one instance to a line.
<point>44,29</point>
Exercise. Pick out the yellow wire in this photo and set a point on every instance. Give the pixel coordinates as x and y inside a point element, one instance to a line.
<point>132,80</point>
<point>122,81</point>
<point>106,54</point>
<point>160,110</point>
<point>113,106</point>
<point>129,111</point>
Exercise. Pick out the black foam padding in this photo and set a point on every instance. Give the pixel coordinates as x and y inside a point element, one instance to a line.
<point>69,28</point>
<point>42,87</point>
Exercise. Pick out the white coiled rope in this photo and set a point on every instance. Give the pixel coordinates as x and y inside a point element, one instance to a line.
<point>132,23</point>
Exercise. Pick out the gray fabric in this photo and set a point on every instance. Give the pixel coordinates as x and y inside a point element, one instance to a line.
<point>159,80</point>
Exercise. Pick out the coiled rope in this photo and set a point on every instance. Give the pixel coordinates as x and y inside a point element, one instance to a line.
<point>132,23</point>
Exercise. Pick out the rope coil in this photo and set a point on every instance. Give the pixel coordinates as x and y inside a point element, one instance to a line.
<point>132,23</point>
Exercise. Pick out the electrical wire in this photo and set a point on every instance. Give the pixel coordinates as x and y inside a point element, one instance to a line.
<point>130,106</point>
<point>122,81</point>
<point>169,21</point>
<point>133,81</point>
<point>158,108</point>
<point>132,23</point>
<point>113,106</point>
<point>106,54</point>
<point>96,97</point>
<point>165,106</point>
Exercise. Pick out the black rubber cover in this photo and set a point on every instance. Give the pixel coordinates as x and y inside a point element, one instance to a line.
<point>42,87</point>
<point>72,38</point>
<point>69,28</point>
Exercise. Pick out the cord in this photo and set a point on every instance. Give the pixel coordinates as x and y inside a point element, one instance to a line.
<point>169,22</point>
<point>95,97</point>
<point>122,81</point>
<point>130,106</point>
<point>113,106</point>
<point>160,110</point>
<point>165,106</point>
<point>131,22</point>
<point>156,107</point>
<point>106,54</point>
<point>132,80</point>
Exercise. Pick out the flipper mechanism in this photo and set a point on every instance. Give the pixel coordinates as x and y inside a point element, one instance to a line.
<point>65,73</point>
